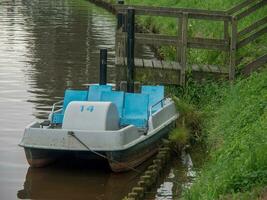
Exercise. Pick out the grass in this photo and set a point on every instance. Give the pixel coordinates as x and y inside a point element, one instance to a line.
<point>236,136</point>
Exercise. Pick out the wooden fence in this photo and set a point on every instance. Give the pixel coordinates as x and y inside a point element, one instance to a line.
<point>232,40</point>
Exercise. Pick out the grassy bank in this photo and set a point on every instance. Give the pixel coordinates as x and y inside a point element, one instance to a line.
<point>235,130</point>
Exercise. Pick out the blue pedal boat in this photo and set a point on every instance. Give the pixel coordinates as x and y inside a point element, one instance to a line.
<point>123,128</point>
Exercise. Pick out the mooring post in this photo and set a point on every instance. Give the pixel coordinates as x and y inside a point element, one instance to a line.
<point>103,67</point>
<point>130,49</point>
<point>120,16</point>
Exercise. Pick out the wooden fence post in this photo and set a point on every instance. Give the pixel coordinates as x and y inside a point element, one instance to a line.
<point>130,48</point>
<point>233,49</point>
<point>120,16</point>
<point>179,42</point>
<point>226,38</point>
<point>183,48</point>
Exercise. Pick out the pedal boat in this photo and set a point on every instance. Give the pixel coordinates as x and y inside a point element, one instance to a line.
<point>123,128</point>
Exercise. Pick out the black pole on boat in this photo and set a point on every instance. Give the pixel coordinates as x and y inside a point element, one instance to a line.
<point>120,17</point>
<point>130,49</point>
<point>103,67</point>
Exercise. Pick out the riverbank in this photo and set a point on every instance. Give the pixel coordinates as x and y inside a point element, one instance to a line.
<point>234,130</point>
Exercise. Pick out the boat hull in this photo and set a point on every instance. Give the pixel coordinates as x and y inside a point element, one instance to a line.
<point>40,157</point>
<point>125,160</point>
<point>43,157</point>
<point>119,161</point>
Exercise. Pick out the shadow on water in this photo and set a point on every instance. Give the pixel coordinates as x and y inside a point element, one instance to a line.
<point>73,179</point>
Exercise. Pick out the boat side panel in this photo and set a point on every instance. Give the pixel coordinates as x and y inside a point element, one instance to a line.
<point>61,140</point>
<point>137,154</point>
<point>41,157</point>
<point>163,115</point>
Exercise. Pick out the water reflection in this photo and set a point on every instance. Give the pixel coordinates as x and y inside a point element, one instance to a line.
<point>179,175</point>
<point>45,47</point>
<point>65,43</point>
<point>91,181</point>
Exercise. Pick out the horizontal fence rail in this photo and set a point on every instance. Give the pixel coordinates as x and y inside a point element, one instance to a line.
<point>175,12</point>
<point>253,27</point>
<point>233,39</point>
<point>254,65</point>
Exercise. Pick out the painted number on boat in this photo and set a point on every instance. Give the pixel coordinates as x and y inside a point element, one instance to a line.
<point>87,108</point>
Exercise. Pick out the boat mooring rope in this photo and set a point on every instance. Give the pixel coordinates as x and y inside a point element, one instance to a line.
<point>71,133</point>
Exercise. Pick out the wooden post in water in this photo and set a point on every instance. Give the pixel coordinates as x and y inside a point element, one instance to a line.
<point>103,67</point>
<point>130,49</point>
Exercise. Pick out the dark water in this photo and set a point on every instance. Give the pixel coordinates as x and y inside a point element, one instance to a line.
<point>47,46</point>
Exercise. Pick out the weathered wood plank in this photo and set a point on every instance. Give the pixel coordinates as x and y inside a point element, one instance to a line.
<point>233,49</point>
<point>195,68</point>
<point>252,9</point>
<point>239,6</point>
<point>157,64</point>
<point>148,63</point>
<point>184,48</point>
<point>227,39</point>
<point>155,39</point>
<point>179,41</point>
<point>252,27</point>
<point>149,38</point>
<point>138,62</point>
<point>158,39</point>
<point>252,37</point>
<point>175,12</point>
<point>254,65</point>
<point>171,65</point>
<point>205,43</point>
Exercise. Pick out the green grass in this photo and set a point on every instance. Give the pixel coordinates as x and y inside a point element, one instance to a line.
<point>235,132</point>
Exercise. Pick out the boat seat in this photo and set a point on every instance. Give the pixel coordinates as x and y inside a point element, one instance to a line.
<point>135,110</point>
<point>156,94</point>
<point>116,97</point>
<point>70,95</point>
<point>95,91</point>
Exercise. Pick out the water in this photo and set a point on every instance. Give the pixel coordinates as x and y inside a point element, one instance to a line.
<point>47,46</point>
<point>179,174</point>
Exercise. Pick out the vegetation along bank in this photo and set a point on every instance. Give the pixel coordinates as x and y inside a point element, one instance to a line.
<point>229,118</point>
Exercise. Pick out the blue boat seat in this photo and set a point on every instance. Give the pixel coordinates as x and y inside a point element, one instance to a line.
<point>135,110</point>
<point>70,95</point>
<point>95,91</point>
<point>156,94</point>
<point>116,97</point>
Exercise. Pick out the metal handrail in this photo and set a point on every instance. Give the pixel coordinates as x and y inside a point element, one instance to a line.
<point>162,104</point>
<point>54,105</point>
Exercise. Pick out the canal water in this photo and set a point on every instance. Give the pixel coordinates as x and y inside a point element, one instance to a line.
<point>47,46</point>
